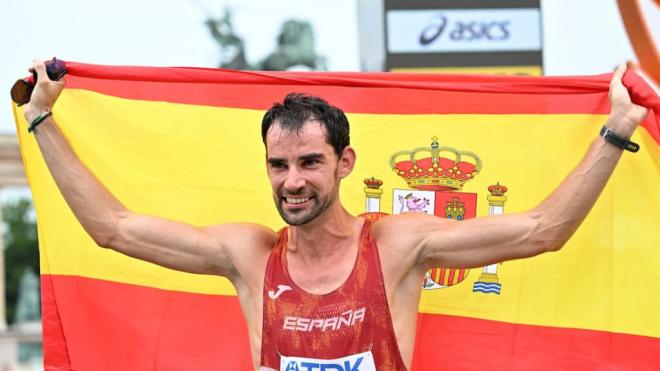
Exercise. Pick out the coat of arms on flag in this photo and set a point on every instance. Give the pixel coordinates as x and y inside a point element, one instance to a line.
<point>436,176</point>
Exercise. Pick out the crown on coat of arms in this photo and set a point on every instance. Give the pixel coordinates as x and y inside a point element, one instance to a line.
<point>436,172</point>
<point>373,183</point>
<point>497,189</point>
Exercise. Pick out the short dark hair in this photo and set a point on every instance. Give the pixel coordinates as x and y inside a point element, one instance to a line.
<point>298,108</point>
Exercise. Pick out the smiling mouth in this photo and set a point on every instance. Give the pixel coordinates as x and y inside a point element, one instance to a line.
<point>294,201</point>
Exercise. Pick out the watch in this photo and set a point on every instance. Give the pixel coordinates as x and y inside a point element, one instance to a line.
<point>624,143</point>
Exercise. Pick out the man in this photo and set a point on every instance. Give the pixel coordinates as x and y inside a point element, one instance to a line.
<point>331,288</point>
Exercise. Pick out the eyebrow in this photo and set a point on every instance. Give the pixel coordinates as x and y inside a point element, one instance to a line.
<point>307,157</point>
<point>312,156</point>
<point>275,160</point>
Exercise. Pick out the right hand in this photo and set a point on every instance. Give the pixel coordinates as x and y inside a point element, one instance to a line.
<point>45,92</point>
<point>625,115</point>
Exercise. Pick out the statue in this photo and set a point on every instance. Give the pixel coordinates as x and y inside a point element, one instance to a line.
<point>232,49</point>
<point>294,50</point>
<point>28,306</point>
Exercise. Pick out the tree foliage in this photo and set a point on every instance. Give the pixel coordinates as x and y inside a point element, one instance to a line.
<point>21,248</point>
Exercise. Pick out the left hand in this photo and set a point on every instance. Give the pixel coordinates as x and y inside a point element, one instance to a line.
<point>45,93</point>
<point>625,115</point>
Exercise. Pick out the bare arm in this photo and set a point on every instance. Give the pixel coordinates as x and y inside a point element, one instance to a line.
<point>547,227</point>
<point>168,243</point>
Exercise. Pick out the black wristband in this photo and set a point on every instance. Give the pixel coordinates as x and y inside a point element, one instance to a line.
<point>38,120</point>
<point>624,143</point>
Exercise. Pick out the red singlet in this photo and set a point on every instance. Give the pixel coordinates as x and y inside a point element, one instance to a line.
<point>353,319</point>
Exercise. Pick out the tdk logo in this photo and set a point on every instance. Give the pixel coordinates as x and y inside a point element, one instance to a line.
<point>312,366</point>
<point>355,362</point>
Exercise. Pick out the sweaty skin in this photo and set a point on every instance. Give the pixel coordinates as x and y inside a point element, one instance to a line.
<point>305,174</point>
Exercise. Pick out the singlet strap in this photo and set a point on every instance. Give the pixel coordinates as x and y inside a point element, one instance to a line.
<point>365,233</point>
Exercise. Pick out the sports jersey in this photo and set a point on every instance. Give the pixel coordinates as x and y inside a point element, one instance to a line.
<point>349,328</point>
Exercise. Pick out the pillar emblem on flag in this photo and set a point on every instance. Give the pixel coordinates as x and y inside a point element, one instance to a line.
<point>373,193</point>
<point>488,282</point>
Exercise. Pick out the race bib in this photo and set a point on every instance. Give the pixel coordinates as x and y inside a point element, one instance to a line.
<point>356,362</point>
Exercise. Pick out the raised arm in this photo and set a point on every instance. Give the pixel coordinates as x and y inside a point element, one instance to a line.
<point>211,250</point>
<point>547,227</point>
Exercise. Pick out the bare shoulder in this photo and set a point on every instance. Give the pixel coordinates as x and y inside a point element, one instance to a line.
<point>243,231</point>
<point>401,237</point>
<point>244,238</point>
<point>405,230</point>
<point>247,245</point>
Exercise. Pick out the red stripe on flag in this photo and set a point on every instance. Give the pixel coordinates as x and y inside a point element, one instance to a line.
<point>358,99</point>
<point>442,277</point>
<point>110,325</point>
<point>378,93</point>
<point>460,343</point>
<point>55,353</point>
<point>116,326</point>
<point>450,280</point>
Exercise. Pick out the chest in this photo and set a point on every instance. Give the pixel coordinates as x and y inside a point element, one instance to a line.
<point>330,301</point>
<point>324,276</point>
<point>329,313</point>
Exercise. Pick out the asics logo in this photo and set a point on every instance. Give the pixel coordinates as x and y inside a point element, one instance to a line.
<point>280,289</point>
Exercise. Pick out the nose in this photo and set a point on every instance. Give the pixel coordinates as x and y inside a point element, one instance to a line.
<point>294,181</point>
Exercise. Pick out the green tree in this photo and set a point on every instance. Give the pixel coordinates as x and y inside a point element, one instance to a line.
<point>21,248</point>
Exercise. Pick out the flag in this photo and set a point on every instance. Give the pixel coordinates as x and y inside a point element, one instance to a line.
<point>184,144</point>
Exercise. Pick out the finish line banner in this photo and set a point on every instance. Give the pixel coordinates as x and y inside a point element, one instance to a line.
<point>185,144</point>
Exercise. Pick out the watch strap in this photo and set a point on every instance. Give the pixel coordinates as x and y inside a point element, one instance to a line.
<point>613,138</point>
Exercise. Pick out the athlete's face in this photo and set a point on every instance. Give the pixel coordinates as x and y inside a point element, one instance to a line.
<point>304,171</point>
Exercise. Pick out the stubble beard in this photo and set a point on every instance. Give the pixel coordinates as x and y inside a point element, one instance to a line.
<point>302,217</point>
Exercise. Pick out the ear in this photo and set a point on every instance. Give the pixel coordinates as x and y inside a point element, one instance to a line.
<point>346,162</point>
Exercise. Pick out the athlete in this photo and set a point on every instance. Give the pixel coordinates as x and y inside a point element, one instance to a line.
<point>331,288</point>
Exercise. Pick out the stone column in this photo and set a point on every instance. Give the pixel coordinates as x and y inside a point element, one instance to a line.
<point>11,174</point>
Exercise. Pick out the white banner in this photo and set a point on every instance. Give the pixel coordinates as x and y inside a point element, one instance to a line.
<point>478,30</point>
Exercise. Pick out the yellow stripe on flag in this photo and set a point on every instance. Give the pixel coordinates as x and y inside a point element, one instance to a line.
<point>157,156</point>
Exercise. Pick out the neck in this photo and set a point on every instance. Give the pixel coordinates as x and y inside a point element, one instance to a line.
<point>329,234</point>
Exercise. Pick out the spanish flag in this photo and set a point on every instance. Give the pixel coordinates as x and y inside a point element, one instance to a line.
<point>184,143</point>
